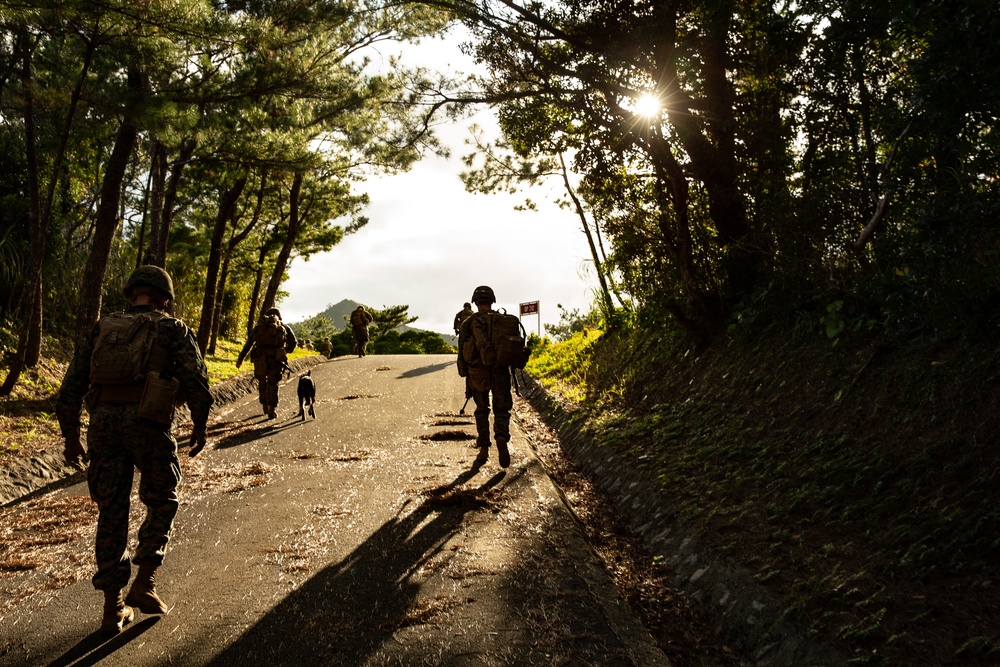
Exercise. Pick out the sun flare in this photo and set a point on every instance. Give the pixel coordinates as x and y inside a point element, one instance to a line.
<point>647,105</point>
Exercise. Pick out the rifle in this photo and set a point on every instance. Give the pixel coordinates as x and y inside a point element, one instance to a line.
<point>468,395</point>
<point>285,370</point>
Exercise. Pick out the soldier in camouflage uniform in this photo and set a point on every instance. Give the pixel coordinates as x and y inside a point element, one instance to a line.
<point>119,441</point>
<point>482,380</point>
<point>360,319</point>
<point>269,362</point>
<point>463,315</point>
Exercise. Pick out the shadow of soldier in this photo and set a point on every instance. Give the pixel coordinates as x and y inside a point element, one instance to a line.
<point>228,434</point>
<point>348,610</point>
<point>424,370</point>
<point>94,648</point>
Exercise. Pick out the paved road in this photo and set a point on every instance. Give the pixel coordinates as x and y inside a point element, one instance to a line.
<point>364,537</point>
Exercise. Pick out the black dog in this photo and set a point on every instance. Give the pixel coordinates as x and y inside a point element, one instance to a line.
<point>307,395</point>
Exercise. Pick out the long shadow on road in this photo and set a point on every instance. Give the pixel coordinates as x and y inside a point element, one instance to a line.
<point>93,649</point>
<point>424,370</point>
<point>345,612</point>
<point>235,433</point>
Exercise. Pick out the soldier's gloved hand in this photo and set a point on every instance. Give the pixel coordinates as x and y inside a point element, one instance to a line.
<point>197,440</point>
<point>74,454</point>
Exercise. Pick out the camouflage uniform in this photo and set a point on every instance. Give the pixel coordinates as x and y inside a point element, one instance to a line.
<point>267,366</point>
<point>119,441</point>
<point>327,348</point>
<point>360,331</point>
<point>482,380</point>
<point>463,315</point>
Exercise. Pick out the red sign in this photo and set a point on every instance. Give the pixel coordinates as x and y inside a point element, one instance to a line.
<point>529,308</point>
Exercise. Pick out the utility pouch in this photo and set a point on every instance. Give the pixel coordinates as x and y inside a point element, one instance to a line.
<point>481,378</point>
<point>157,402</point>
<point>469,352</point>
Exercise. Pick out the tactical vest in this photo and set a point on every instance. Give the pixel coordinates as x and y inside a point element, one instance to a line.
<point>270,332</point>
<point>127,349</point>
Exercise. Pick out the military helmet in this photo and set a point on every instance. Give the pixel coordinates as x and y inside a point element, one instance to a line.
<point>273,311</point>
<point>467,305</point>
<point>483,293</point>
<point>153,276</point>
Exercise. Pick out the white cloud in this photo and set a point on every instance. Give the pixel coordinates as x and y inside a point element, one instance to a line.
<point>429,243</point>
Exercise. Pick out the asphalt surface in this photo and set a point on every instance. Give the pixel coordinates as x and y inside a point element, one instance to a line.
<point>366,536</point>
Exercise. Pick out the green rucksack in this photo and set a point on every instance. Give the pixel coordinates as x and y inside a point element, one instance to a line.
<point>506,341</point>
<point>121,350</point>
<point>270,332</point>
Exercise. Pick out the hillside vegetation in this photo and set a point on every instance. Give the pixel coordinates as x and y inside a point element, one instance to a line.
<point>855,477</point>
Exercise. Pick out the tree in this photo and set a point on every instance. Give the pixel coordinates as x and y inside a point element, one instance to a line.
<point>388,319</point>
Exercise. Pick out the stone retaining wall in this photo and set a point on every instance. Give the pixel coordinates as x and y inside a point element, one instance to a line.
<point>46,469</point>
<point>751,618</point>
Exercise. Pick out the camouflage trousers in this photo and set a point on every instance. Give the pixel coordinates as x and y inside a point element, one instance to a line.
<point>503,403</point>
<point>119,442</point>
<point>267,385</point>
<point>360,335</point>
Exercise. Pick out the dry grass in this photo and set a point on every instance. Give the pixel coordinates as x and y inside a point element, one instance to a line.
<point>464,497</point>
<point>426,611</point>
<point>300,547</point>
<point>356,455</point>
<point>45,544</point>
<point>202,478</point>
<point>448,435</point>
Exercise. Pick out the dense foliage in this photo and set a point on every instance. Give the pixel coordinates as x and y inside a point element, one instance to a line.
<point>217,139</point>
<point>742,156</point>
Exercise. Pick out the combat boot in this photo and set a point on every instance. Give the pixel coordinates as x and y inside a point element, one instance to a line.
<point>503,454</point>
<point>143,595</point>
<point>116,613</point>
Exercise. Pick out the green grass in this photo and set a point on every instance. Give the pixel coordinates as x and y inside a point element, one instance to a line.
<point>222,364</point>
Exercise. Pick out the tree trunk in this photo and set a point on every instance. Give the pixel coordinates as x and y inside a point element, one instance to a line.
<point>234,241</point>
<point>144,220</point>
<point>227,208</point>
<point>257,281</point>
<point>606,304</point>
<point>219,302</point>
<point>281,263</point>
<point>158,244</point>
<point>106,220</point>
<point>157,177</point>
<point>31,301</point>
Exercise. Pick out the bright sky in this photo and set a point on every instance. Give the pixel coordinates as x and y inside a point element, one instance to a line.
<point>429,243</point>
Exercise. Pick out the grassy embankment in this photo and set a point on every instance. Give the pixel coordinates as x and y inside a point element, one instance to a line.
<point>856,478</point>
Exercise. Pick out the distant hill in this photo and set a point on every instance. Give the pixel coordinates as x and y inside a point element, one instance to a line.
<point>339,312</point>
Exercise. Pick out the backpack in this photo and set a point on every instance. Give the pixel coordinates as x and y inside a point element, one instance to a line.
<point>506,341</point>
<point>121,350</point>
<point>357,318</point>
<point>270,332</point>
